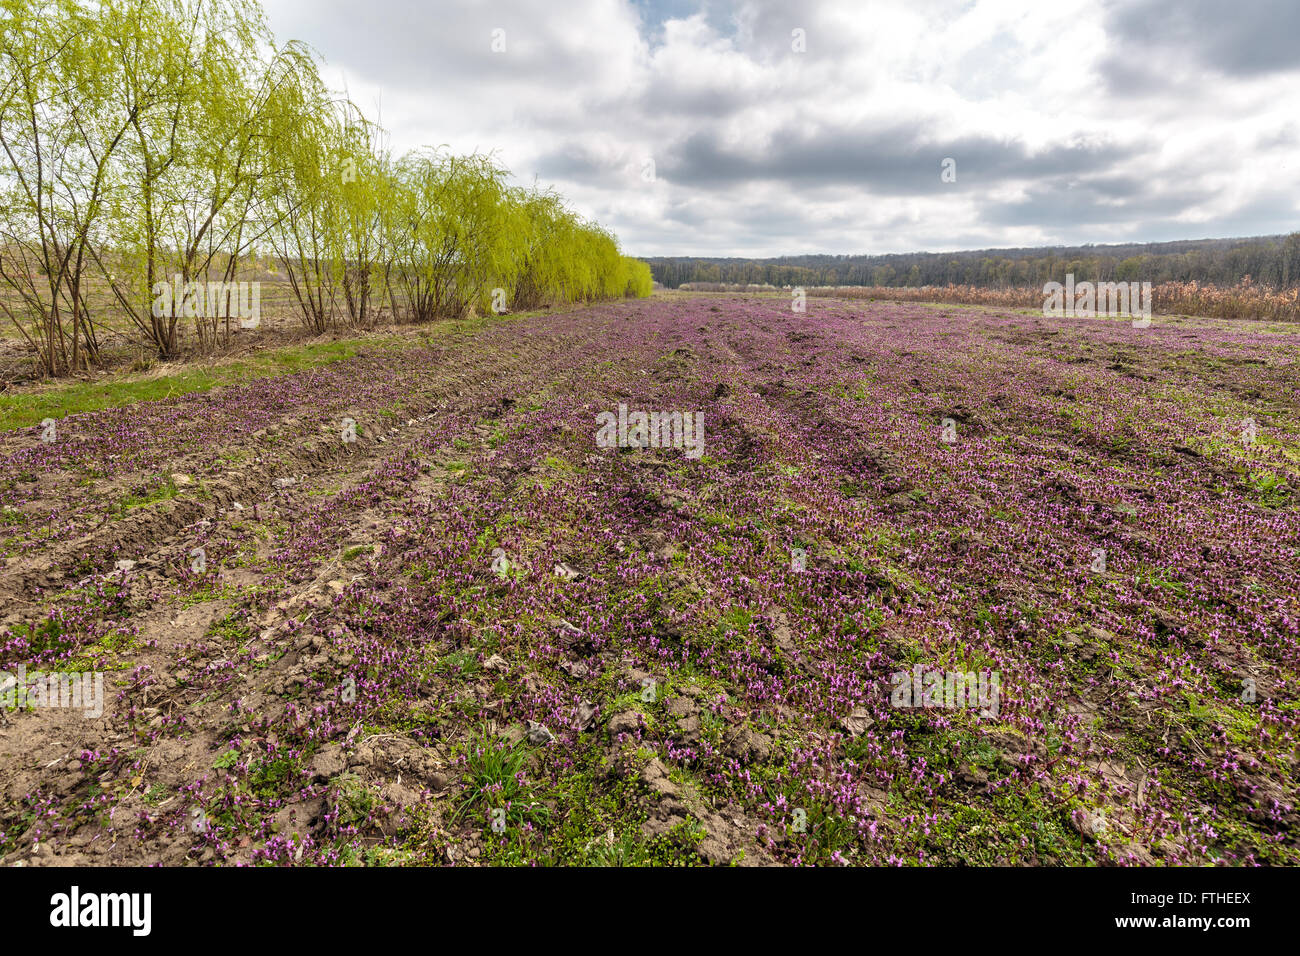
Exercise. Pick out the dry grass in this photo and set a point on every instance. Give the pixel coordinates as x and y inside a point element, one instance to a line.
<point>1245,300</point>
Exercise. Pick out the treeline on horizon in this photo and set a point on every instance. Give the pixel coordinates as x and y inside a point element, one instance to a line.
<point>143,140</point>
<point>1270,261</point>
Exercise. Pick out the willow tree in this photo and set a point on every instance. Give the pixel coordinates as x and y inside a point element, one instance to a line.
<point>61,124</point>
<point>222,210</point>
<point>637,281</point>
<point>457,236</point>
<point>547,256</point>
<point>362,253</point>
<point>151,53</point>
<point>305,198</point>
<point>192,73</point>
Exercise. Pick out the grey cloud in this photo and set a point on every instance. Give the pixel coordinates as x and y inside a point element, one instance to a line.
<point>895,161</point>
<point>1158,47</point>
<point>1241,38</point>
<point>1086,203</point>
<point>575,162</point>
<point>1272,212</point>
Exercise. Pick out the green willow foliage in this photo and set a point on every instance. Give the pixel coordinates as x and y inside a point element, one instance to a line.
<point>148,139</point>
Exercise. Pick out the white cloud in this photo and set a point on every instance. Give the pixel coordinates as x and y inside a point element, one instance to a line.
<point>1074,121</point>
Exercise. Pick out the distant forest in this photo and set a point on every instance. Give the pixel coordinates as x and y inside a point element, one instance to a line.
<point>1268,260</point>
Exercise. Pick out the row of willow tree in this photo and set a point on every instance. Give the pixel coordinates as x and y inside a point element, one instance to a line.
<point>145,140</point>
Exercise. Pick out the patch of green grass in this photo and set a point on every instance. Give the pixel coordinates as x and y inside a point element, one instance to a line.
<point>162,488</point>
<point>45,635</point>
<point>1018,828</point>
<point>673,848</point>
<point>230,628</point>
<point>26,408</point>
<point>93,656</point>
<point>719,519</point>
<point>1272,488</point>
<point>354,801</point>
<point>597,822</point>
<point>212,592</point>
<point>463,663</point>
<point>493,780</point>
<point>274,776</point>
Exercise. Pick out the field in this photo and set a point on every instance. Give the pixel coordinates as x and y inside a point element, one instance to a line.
<point>475,635</point>
<point>1242,300</point>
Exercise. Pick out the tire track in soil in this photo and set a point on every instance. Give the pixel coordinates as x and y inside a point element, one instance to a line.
<point>160,710</point>
<point>745,426</point>
<point>311,454</point>
<point>185,630</point>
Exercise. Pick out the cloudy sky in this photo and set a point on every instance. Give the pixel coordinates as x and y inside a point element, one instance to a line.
<point>762,128</point>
